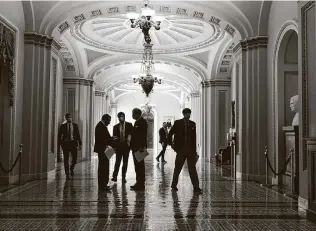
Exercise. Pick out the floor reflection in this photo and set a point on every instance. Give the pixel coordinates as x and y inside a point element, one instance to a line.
<point>58,204</point>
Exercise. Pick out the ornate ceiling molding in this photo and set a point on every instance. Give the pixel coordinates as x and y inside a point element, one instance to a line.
<point>195,94</point>
<point>194,70</point>
<point>78,34</point>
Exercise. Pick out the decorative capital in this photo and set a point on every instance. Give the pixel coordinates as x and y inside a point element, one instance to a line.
<point>206,83</point>
<point>79,81</point>
<point>113,105</point>
<point>252,43</point>
<point>220,82</point>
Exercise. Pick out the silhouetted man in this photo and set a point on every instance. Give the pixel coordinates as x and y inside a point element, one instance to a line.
<point>163,139</point>
<point>184,132</point>
<point>103,140</point>
<point>70,141</point>
<point>139,143</point>
<point>122,140</point>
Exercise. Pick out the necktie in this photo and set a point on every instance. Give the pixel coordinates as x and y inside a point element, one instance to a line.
<point>68,133</point>
<point>122,133</point>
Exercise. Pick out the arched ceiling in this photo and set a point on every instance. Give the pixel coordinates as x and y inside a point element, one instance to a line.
<point>193,44</point>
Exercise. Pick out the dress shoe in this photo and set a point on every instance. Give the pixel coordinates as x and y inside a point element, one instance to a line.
<point>137,188</point>
<point>106,188</point>
<point>157,159</point>
<point>164,161</point>
<point>174,188</point>
<point>114,179</point>
<point>72,172</point>
<point>124,180</point>
<point>67,177</point>
<point>198,190</point>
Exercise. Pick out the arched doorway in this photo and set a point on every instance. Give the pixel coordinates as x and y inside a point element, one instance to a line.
<point>285,87</point>
<point>150,118</point>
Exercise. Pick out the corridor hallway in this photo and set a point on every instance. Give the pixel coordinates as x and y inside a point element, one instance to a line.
<point>76,204</point>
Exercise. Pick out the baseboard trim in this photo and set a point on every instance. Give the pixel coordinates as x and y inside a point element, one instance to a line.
<point>250,177</point>
<point>311,215</point>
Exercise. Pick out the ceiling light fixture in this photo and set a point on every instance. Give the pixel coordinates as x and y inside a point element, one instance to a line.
<point>146,20</point>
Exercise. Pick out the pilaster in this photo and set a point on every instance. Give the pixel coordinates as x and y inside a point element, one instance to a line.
<point>79,100</point>
<point>38,107</point>
<point>196,115</point>
<point>251,107</point>
<point>215,115</point>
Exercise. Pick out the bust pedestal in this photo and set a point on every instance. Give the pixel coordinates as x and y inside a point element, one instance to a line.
<point>291,141</point>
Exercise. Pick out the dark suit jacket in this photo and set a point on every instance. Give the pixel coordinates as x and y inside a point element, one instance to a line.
<point>63,130</point>
<point>162,136</point>
<point>116,132</point>
<point>139,134</point>
<point>178,130</point>
<point>102,138</point>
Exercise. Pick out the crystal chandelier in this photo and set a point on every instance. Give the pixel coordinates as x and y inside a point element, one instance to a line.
<point>145,20</point>
<point>147,82</point>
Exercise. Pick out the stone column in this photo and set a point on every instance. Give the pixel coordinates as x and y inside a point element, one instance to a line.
<point>195,116</point>
<point>215,115</point>
<point>100,106</point>
<point>221,92</point>
<point>251,108</point>
<point>206,119</point>
<point>79,101</point>
<point>114,119</point>
<point>38,108</point>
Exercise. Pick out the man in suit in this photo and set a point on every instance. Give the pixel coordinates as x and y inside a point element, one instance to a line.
<point>103,140</point>
<point>139,143</point>
<point>122,140</point>
<point>163,136</point>
<point>184,132</point>
<point>70,141</point>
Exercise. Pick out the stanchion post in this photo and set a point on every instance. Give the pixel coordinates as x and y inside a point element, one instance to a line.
<point>20,163</point>
<point>267,167</point>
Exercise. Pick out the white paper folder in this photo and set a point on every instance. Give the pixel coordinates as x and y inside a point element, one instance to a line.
<point>109,152</point>
<point>141,155</point>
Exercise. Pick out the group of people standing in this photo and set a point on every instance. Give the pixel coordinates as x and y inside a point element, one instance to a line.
<point>126,138</point>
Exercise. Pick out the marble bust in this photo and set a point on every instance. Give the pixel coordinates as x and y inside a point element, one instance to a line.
<point>294,108</point>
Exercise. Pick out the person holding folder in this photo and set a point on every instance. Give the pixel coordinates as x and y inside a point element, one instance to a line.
<point>139,145</point>
<point>103,140</point>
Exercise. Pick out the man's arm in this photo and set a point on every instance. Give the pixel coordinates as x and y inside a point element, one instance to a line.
<point>194,135</point>
<point>171,133</point>
<point>60,134</point>
<point>142,134</point>
<point>78,135</point>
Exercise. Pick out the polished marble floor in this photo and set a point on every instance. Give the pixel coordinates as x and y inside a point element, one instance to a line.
<point>57,204</point>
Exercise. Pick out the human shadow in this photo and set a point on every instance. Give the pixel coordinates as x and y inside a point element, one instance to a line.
<point>180,220</point>
<point>70,207</point>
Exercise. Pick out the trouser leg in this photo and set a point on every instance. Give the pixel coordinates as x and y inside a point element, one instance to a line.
<point>66,150</point>
<point>125,163</point>
<point>180,159</point>
<point>117,164</point>
<point>192,171</point>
